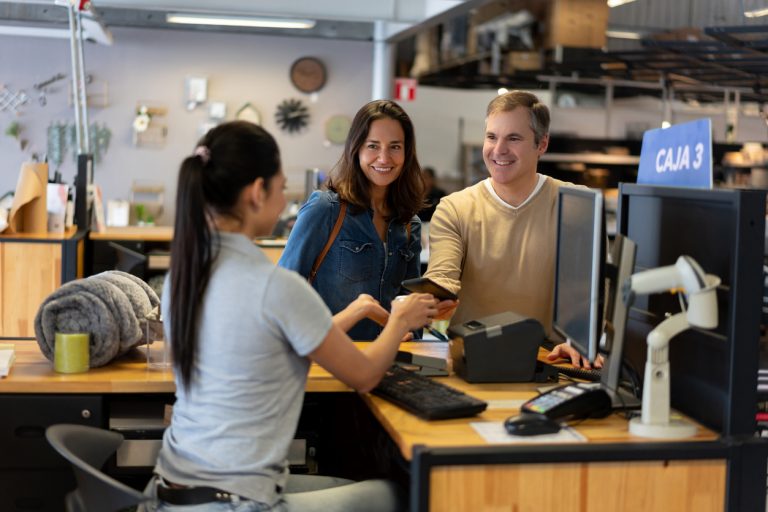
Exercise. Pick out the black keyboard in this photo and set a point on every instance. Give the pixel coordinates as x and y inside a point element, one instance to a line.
<point>593,375</point>
<point>424,397</point>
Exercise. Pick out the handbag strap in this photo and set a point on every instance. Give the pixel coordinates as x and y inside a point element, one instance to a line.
<point>329,243</point>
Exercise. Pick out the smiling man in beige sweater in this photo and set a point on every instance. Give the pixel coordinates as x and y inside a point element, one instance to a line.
<point>494,243</point>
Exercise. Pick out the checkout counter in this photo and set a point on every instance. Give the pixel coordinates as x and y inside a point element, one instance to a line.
<point>452,466</point>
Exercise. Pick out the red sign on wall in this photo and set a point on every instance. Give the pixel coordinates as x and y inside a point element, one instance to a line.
<point>405,89</point>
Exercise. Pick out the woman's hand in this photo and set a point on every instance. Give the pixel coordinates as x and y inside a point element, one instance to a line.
<point>415,310</point>
<point>368,307</point>
<point>364,306</point>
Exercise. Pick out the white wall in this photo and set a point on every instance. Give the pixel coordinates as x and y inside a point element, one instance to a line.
<point>151,65</point>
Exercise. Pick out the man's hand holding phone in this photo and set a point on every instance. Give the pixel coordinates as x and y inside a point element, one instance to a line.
<point>448,300</point>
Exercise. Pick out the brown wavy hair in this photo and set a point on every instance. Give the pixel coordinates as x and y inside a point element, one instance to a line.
<point>405,196</point>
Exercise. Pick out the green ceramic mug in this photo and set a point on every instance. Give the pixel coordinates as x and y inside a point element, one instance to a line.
<point>71,352</point>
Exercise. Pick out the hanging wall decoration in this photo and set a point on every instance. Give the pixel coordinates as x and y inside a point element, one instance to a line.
<point>292,115</point>
<point>56,146</point>
<point>11,101</point>
<point>14,131</point>
<point>43,88</point>
<point>96,92</point>
<point>248,113</point>
<point>149,128</point>
<point>308,74</point>
<point>337,128</point>
<point>195,91</point>
<point>101,136</point>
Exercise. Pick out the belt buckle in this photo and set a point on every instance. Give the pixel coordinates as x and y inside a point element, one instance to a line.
<point>224,496</point>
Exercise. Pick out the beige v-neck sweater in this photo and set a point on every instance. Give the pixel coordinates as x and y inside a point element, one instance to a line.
<point>496,258</point>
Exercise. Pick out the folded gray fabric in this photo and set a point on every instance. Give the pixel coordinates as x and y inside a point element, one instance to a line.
<point>111,307</point>
<point>145,302</point>
<point>121,278</point>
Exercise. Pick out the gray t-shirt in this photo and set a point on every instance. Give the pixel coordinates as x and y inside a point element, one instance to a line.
<point>232,429</point>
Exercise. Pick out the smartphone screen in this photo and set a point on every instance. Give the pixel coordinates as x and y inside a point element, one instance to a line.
<point>425,285</point>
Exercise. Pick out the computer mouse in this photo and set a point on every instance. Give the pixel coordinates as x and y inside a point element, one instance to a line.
<point>531,424</point>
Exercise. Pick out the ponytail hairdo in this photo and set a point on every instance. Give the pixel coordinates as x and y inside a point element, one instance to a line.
<point>228,158</point>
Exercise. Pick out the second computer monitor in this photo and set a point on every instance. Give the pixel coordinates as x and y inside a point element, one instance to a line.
<point>579,278</point>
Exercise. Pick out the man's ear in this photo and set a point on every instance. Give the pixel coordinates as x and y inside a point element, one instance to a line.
<point>543,144</point>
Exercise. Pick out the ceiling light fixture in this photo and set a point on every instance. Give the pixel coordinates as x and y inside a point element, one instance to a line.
<point>624,34</point>
<point>616,3</point>
<point>14,30</point>
<point>238,21</point>
<point>756,13</point>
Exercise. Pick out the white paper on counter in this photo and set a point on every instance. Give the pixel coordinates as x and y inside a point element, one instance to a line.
<point>495,433</point>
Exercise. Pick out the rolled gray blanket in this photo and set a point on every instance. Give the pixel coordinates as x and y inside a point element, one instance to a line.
<point>143,298</point>
<point>110,306</point>
<point>124,280</point>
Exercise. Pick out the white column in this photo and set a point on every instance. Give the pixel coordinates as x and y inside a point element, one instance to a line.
<point>383,57</point>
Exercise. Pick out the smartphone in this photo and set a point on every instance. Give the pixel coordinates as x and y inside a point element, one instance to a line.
<point>426,285</point>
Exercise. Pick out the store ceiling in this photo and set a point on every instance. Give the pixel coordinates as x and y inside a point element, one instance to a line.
<point>337,19</point>
<point>724,49</point>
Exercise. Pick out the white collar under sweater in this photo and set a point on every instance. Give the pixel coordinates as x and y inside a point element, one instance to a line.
<point>541,179</point>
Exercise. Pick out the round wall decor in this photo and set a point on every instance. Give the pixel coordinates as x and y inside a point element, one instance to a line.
<point>308,74</point>
<point>292,115</point>
<point>337,128</point>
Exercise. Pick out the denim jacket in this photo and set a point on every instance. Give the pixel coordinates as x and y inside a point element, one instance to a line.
<point>358,261</point>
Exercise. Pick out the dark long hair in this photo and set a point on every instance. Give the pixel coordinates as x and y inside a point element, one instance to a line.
<point>229,157</point>
<point>405,196</point>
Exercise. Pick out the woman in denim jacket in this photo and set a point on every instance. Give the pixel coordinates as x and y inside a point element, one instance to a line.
<point>378,246</point>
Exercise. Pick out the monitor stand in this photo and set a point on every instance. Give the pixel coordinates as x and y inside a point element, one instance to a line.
<point>621,399</point>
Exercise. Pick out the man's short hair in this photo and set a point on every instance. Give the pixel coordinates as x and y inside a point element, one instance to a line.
<point>511,100</point>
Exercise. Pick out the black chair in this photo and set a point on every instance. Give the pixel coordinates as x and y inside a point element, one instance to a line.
<point>87,449</point>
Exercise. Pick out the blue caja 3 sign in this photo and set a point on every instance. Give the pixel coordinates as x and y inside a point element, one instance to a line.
<point>679,156</point>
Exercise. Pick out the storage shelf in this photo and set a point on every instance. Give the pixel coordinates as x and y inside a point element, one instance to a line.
<point>591,158</point>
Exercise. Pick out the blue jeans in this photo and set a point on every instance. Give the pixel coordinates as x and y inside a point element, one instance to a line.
<point>305,493</point>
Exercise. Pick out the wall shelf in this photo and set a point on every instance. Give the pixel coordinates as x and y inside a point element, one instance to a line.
<point>590,158</point>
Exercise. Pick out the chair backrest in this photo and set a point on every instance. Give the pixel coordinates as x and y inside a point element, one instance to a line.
<point>87,449</point>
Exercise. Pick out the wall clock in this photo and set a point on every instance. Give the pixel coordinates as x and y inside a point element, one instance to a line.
<point>337,128</point>
<point>308,74</point>
<point>292,115</point>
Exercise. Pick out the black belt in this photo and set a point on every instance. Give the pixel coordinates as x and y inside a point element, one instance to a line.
<point>194,495</point>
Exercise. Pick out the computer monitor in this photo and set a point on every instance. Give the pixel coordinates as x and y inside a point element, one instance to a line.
<point>579,263</point>
<point>713,372</point>
<point>618,269</point>
<point>589,308</point>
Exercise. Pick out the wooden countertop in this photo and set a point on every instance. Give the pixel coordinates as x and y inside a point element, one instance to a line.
<point>139,233</point>
<point>4,237</point>
<point>33,373</point>
<point>504,400</point>
<point>162,234</point>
